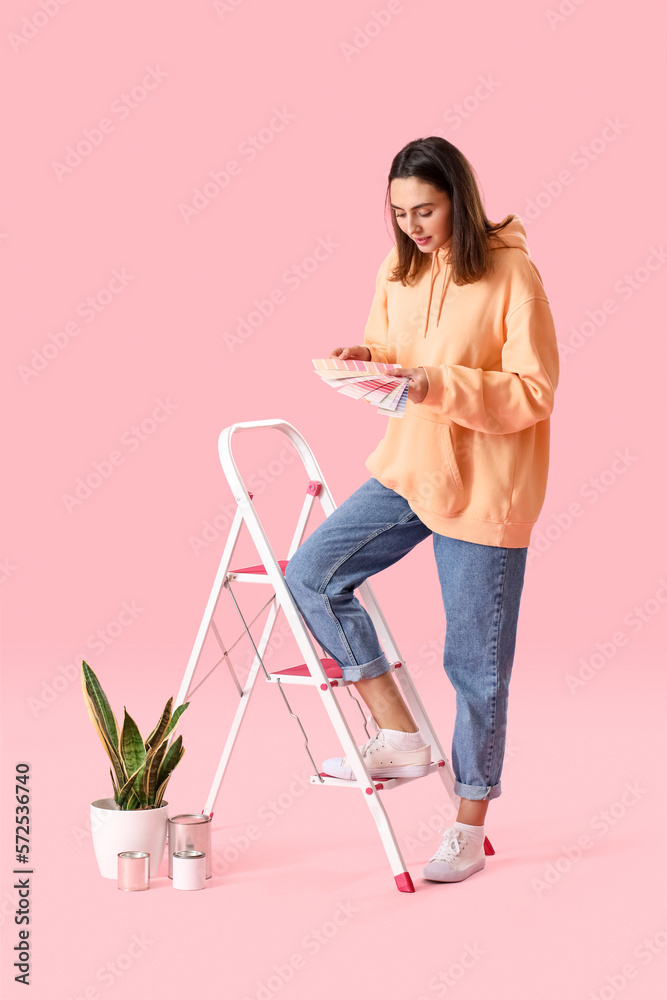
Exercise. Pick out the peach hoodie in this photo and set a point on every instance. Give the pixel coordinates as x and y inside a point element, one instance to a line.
<point>472,458</point>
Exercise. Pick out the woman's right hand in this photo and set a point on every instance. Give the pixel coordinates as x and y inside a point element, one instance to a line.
<point>357,353</point>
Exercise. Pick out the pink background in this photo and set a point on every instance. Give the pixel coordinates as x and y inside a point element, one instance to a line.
<point>537,91</point>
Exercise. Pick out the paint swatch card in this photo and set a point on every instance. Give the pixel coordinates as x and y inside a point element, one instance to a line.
<point>371,381</point>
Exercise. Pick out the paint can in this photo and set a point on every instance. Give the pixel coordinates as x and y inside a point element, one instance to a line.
<point>190,832</point>
<point>133,871</point>
<point>189,870</point>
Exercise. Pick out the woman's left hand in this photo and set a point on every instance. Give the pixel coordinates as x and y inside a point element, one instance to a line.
<point>418,384</point>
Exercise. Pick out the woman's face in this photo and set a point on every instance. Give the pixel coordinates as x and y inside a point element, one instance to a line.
<point>423,212</point>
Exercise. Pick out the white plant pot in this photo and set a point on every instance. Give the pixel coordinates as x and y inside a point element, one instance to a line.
<point>115,830</point>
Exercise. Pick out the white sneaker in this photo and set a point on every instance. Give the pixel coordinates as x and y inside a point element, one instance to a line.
<point>457,857</point>
<point>383,761</point>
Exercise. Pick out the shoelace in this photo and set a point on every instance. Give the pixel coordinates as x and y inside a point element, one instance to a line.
<point>377,741</point>
<point>453,843</point>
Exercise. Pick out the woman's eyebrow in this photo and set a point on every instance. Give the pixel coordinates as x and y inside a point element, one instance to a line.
<point>424,204</point>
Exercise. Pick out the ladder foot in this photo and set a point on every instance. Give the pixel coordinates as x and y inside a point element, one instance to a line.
<point>404,882</point>
<point>488,849</point>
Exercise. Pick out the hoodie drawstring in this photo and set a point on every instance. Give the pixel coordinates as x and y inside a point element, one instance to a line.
<point>445,282</point>
<point>430,293</point>
<point>514,236</point>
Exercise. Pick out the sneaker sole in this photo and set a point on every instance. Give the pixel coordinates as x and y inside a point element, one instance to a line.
<point>437,871</point>
<point>335,770</point>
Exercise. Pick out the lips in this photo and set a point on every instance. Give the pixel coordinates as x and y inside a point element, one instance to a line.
<point>425,239</point>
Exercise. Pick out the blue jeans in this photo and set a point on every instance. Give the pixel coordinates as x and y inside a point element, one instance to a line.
<point>481,590</point>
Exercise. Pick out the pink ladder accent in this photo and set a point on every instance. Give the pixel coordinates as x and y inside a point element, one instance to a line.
<point>404,882</point>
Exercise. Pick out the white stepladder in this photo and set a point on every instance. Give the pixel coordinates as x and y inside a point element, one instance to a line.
<point>322,673</point>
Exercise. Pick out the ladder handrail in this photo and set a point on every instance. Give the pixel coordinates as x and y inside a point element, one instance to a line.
<point>304,451</point>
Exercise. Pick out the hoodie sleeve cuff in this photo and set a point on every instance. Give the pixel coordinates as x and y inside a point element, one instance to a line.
<point>437,386</point>
<point>378,355</point>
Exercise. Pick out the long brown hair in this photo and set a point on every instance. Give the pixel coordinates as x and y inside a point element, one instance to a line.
<point>437,162</point>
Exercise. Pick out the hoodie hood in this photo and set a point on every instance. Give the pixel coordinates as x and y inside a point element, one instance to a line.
<point>514,235</point>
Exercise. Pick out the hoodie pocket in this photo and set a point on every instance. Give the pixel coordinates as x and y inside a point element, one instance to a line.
<point>432,477</point>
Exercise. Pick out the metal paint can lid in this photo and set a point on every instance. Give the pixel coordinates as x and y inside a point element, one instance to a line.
<point>191,818</point>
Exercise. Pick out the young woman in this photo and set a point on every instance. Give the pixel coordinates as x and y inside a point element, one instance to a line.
<point>460,305</point>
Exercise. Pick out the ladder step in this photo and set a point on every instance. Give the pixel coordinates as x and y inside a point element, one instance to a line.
<point>380,784</point>
<point>301,674</point>
<point>254,574</point>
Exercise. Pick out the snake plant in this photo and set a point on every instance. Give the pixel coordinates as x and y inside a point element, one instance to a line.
<point>140,768</point>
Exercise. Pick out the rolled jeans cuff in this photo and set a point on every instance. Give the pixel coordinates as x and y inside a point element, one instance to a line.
<point>363,671</point>
<point>477,792</point>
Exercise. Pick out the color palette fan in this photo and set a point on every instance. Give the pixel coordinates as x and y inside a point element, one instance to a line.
<point>369,380</point>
